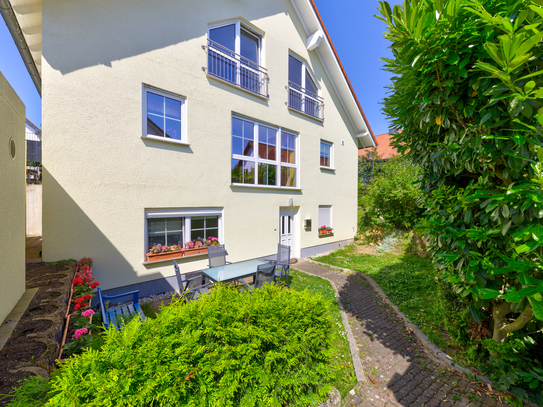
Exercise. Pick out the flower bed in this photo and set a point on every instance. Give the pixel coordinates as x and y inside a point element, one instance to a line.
<point>77,331</point>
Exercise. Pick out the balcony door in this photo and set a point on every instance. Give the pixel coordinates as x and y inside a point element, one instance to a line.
<point>234,55</point>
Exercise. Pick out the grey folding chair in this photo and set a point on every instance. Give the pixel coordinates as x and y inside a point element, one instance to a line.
<point>217,255</point>
<point>265,273</point>
<point>282,263</point>
<point>190,288</point>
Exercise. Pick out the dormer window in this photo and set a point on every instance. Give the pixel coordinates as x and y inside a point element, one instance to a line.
<point>303,91</point>
<point>234,56</point>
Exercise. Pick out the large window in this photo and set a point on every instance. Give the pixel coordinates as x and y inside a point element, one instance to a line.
<point>178,226</point>
<point>303,90</point>
<point>326,154</point>
<point>164,115</point>
<point>263,155</point>
<point>234,55</point>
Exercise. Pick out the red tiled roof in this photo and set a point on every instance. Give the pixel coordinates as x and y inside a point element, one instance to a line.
<point>384,149</point>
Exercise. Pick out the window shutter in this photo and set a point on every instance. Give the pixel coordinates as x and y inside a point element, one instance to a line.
<point>325,216</point>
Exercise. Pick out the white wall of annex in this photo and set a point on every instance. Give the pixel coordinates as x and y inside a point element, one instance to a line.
<point>12,198</point>
<point>99,181</point>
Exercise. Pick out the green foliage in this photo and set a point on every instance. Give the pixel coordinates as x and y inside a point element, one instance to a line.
<point>467,92</point>
<point>268,348</point>
<point>66,262</point>
<point>32,392</point>
<point>345,380</point>
<point>392,196</point>
<point>34,163</point>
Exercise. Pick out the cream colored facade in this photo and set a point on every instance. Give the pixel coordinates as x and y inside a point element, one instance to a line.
<point>100,180</point>
<point>12,198</point>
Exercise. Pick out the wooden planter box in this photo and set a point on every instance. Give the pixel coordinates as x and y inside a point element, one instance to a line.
<point>63,341</point>
<point>166,255</point>
<point>192,252</point>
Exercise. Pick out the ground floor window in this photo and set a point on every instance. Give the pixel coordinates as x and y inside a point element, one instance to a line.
<point>325,216</point>
<point>179,226</point>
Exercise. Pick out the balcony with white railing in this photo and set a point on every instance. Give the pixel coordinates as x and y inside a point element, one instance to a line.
<point>232,68</point>
<point>305,102</point>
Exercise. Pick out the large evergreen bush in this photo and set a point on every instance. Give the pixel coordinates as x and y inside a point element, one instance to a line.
<point>269,348</point>
<point>468,93</point>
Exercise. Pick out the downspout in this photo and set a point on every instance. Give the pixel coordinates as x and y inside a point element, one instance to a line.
<point>13,25</point>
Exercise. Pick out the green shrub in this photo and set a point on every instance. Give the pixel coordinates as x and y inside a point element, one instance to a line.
<point>392,197</point>
<point>32,392</point>
<point>269,348</point>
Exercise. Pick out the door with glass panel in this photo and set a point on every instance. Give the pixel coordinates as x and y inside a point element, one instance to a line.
<point>287,227</point>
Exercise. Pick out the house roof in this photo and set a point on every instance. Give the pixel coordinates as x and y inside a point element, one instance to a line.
<point>24,20</point>
<point>384,149</point>
<point>29,123</point>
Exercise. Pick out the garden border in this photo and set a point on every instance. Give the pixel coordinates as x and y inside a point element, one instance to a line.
<point>433,349</point>
<point>357,363</point>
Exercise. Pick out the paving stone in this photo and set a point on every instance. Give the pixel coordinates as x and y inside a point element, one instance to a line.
<point>403,371</point>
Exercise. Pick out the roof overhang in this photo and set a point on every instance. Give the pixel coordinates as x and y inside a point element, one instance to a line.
<point>23,19</point>
<point>313,25</point>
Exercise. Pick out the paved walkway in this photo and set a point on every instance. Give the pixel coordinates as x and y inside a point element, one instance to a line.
<point>400,370</point>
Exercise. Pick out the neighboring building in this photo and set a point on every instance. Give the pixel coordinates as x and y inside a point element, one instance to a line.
<point>384,149</point>
<point>231,119</point>
<point>33,142</point>
<point>12,198</point>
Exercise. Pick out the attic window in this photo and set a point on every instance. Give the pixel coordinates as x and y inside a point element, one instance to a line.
<point>234,55</point>
<point>303,91</point>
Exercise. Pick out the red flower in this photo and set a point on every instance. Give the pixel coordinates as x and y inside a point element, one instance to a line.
<point>77,280</point>
<point>78,300</point>
<point>94,285</point>
<point>80,305</point>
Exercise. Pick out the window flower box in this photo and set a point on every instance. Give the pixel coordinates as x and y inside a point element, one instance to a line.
<point>196,250</point>
<point>159,252</point>
<point>325,231</point>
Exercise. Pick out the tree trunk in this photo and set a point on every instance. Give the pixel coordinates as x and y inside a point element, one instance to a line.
<point>501,327</point>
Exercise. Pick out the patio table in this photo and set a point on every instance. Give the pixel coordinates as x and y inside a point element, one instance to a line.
<point>233,271</point>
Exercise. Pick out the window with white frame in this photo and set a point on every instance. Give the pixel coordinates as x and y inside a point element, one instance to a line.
<point>303,90</point>
<point>263,155</point>
<point>325,216</point>
<point>326,154</point>
<point>164,115</point>
<point>178,226</point>
<point>234,55</point>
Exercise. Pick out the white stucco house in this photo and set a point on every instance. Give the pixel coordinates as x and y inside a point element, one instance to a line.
<point>227,119</point>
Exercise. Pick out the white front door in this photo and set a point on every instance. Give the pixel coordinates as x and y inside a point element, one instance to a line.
<point>287,227</point>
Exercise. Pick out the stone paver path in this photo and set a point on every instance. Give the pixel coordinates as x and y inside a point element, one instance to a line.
<point>400,371</point>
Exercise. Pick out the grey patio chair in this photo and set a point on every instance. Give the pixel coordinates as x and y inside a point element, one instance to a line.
<point>282,263</point>
<point>217,255</point>
<point>265,273</point>
<point>190,288</point>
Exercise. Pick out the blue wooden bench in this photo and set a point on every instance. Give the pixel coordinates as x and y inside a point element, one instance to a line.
<point>120,315</point>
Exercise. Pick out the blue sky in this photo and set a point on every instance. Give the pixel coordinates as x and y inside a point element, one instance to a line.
<point>356,34</point>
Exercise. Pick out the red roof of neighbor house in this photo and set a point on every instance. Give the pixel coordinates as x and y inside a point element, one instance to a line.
<point>384,149</point>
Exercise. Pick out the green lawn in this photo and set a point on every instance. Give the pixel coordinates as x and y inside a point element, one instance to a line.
<point>408,281</point>
<point>301,281</point>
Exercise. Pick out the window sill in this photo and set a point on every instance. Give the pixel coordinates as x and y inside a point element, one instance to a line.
<point>328,169</point>
<point>165,140</point>
<point>177,259</point>
<point>236,86</point>
<point>306,115</point>
<point>264,187</point>
<point>326,234</point>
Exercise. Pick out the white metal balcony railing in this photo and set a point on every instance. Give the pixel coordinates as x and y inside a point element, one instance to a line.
<point>304,101</point>
<point>228,66</point>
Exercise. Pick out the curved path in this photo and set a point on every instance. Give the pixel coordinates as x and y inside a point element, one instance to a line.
<point>399,368</point>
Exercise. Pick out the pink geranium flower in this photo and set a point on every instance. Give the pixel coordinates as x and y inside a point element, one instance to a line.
<point>80,332</point>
